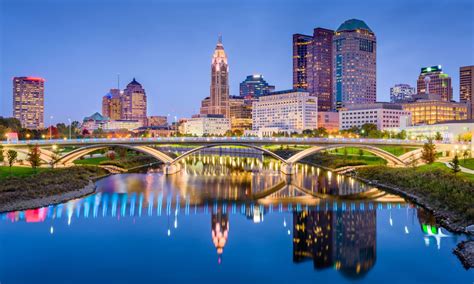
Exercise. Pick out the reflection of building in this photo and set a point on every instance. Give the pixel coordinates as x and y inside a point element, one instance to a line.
<point>383,115</point>
<point>466,87</point>
<point>28,101</point>
<point>432,80</point>
<point>401,93</point>
<point>285,111</point>
<point>210,124</point>
<point>345,240</point>
<point>220,231</point>
<point>218,102</point>
<point>255,86</point>
<point>354,61</point>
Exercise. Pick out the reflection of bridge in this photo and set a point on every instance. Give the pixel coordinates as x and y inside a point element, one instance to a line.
<point>144,145</point>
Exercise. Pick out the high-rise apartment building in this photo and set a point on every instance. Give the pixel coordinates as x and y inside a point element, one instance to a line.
<point>28,101</point>
<point>312,65</point>
<point>255,86</point>
<point>432,80</point>
<point>112,105</point>
<point>134,103</point>
<point>466,87</point>
<point>219,100</point>
<point>354,64</point>
<point>401,93</point>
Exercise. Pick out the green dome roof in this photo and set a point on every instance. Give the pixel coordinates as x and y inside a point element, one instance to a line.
<point>354,24</point>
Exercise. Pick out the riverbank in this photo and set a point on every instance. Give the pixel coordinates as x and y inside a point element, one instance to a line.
<point>47,188</point>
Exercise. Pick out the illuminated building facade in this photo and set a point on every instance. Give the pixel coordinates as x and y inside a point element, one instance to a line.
<point>284,111</point>
<point>28,101</point>
<point>255,86</point>
<point>328,120</point>
<point>134,103</point>
<point>401,93</point>
<point>218,102</point>
<point>112,105</point>
<point>438,83</point>
<point>312,65</point>
<point>157,120</point>
<point>430,111</point>
<point>206,124</point>
<point>97,121</point>
<point>354,64</point>
<point>240,114</point>
<point>384,115</point>
<point>466,87</point>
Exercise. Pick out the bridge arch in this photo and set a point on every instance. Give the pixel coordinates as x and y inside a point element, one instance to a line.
<point>389,157</point>
<point>268,152</point>
<point>76,154</point>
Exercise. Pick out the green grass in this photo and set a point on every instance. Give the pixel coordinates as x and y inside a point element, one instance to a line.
<point>443,167</point>
<point>397,150</point>
<point>19,171</point>
<point>468,163</point>
<point>90,161</point>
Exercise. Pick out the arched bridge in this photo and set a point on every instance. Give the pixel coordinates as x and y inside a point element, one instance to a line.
<point>144,145</point>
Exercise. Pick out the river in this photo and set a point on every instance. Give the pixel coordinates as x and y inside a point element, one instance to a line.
<point>231,220</point>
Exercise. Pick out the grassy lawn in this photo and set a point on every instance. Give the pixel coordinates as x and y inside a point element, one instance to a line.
<point>443,167</point>
<point>397,150</point>
<point>90,161</point>
<point>468,163</point>
<point>19,171</point>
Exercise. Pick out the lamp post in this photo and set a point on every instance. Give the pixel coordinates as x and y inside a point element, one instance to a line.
<point>69,128</point>
<point>50,126</point>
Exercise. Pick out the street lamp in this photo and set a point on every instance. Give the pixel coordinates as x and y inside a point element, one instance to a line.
<point>50,127</point>
<point>69,128</point>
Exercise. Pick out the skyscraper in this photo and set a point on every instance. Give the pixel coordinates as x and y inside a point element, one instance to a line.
<point>134,104</point>
<point>320,68</point>
<point>301,53</point>
<point>312,65</point>
<point>255,86</point>
<point>401,93</point>
<point>112,105</point>
<point>354,64</point>
<point>466,87</point>
<point>219,99</point>
<point>28,101</point>
<point>432,80</point>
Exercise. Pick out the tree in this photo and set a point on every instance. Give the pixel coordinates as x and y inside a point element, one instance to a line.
<point>34,157</point>
<point>361,153</point>
<point>465,155</point>
<point>455,165</point>
<point>11,158</point>
<point>2,157</point>
<point>402,135</point>
<point>345,154</point>
<point>438,136</point>
<point>428,154</point>
<point>321,132</point>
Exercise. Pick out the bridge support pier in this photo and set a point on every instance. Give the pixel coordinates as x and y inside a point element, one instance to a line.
<point>170,169</point>
<point>288,169</point>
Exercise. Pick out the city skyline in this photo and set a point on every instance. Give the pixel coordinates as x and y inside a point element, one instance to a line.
<point>99,41</point>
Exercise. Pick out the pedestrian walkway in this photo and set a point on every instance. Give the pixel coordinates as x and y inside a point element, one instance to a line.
<point>463,169</point>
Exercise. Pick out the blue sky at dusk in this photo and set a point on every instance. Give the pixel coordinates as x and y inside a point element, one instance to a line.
<point>79,47</point>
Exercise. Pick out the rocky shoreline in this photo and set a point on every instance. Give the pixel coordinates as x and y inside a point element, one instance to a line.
<point>49,200</point>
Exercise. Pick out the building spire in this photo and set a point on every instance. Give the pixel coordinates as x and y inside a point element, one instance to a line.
<point>219,39</point>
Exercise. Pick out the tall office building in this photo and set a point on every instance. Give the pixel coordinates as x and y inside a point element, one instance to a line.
<point>28,101</point>
<point>432,80</point>
<point>301,53</point>
<point>401,93</point>
<point>255,86</point>
<point>312,65</point>
<point>466,87</point>
<point>134,104</point>
<point>320,68</point>
<point>112,105</point>
<point>218,102</point>
<point>354,64</point>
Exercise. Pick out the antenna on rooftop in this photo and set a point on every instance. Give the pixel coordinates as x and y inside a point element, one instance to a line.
<point>118,81</point>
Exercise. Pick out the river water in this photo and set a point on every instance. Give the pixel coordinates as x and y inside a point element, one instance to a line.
<point>229,220</point>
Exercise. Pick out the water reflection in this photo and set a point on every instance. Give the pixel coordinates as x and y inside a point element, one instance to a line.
<point>328,220</point>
